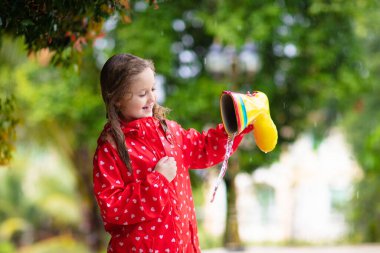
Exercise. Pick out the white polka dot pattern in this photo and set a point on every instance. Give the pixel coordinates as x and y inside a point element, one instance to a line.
<point>141,210</point>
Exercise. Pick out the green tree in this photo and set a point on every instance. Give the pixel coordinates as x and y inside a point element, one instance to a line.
<point>363,130</point>
<point>61,107</point>
<point>68,108</point>
<point>61,26</point>
<point>8,123</point>
<point>29,213</point>
<point>311,64</point>
<point>8,116</point>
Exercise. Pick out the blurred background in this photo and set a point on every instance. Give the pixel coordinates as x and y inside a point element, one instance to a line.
<point>317,61</point>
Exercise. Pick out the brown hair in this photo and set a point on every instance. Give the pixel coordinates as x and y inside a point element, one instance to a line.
<point>116,77</point>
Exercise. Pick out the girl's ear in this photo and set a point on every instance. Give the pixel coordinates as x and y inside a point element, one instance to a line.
<point>118,104</point>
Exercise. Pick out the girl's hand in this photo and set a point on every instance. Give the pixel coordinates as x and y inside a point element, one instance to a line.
<point>167,166</point>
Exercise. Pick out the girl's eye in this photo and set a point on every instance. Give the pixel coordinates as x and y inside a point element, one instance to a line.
<point>146,92</point>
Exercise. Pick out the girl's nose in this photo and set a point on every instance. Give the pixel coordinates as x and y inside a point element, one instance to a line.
<point>152,96</point>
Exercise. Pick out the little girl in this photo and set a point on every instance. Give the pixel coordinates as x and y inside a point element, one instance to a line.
<point>142,161</point>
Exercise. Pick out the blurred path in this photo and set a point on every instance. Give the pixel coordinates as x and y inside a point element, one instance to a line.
<point>322,249</point>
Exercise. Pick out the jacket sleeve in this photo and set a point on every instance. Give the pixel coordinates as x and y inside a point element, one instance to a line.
<point>202,150</point>
<point>123,199</point>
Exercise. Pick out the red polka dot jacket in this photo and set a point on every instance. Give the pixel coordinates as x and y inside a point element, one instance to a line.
<point>142,210</point>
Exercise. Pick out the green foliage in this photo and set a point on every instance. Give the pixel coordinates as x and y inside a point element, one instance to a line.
<point>208,241</point>
<point>59,101</point>
<point>64,27</point>
<point>236,22</point>
<point>61,244</point>
<point>8,123</point>
<point>33,195</point>
<point>8,112</point>
<point>310,88</point>
<point>153,43</point>
<point>196,103</point>
<point>364,215</point>
<point>57,25</point>
<point>363,131</point>
<point>7,247</point>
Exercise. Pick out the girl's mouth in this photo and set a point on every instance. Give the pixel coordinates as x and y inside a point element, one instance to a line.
<point>148,108</point>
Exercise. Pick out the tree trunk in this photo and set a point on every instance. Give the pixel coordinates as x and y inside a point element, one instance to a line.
<point>231,236</point>
<point>92,226</point>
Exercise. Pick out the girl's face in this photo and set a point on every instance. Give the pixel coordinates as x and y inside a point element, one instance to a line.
<point>139,101</point>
